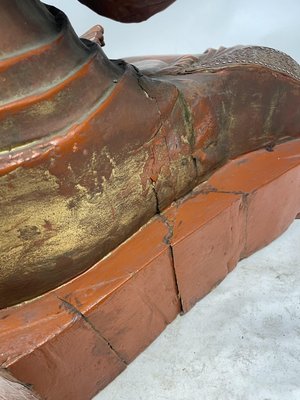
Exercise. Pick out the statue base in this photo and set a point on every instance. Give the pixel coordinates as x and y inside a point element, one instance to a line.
<point>71,342</point>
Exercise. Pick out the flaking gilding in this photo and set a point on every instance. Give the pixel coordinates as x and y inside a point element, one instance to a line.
<point>94,149</point>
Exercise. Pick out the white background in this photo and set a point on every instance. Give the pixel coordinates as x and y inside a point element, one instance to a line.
<point>191,26</point>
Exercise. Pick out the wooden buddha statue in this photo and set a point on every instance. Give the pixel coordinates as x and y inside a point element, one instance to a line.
<point>91,149</point>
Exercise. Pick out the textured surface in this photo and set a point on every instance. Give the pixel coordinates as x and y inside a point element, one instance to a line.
<point>74,365</point>
<point>207,242</point>
<point>72,342</point>
<point>241,208</point>
<point>113,311</point>
<point>241,342</point>
<point>100,165</point>
<point>213,59</point>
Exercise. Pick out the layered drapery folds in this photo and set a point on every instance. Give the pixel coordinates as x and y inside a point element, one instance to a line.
<point>91,149</point>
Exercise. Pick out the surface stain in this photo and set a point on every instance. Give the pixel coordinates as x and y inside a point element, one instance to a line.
<point>28,232</point>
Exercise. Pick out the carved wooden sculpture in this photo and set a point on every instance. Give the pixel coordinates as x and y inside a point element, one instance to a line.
<point>91,149</point>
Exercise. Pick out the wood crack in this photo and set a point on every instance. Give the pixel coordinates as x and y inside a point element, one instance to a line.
<point>74,311</point>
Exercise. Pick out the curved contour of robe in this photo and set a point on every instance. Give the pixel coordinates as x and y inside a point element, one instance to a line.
<point>91,149</point>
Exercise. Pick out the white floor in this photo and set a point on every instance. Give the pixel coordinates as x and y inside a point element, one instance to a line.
<point>241,342</point>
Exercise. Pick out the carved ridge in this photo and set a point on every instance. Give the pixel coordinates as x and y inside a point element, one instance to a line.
<point>216,59</point>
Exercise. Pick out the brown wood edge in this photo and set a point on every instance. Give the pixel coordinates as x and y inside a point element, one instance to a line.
<point>71,342</point>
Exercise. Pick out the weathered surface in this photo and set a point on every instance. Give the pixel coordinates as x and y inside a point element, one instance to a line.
<point>242,207</point>
<point>217,59</point>
<point>82,168</point>
<point>71,342</point>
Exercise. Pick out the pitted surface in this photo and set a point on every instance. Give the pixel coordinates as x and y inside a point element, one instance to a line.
<point>213,59</point>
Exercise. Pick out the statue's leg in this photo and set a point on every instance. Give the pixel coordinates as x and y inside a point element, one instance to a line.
<point>92,154</point>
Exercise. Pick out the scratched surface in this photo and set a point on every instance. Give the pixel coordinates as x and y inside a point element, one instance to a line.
<point>94,148</point>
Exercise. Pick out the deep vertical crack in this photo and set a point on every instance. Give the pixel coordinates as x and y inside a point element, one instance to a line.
<point>152,183</point>
<point>139,76</point>
<point>168,242</point>
<point>195,162</point>
<point>175,279</point>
